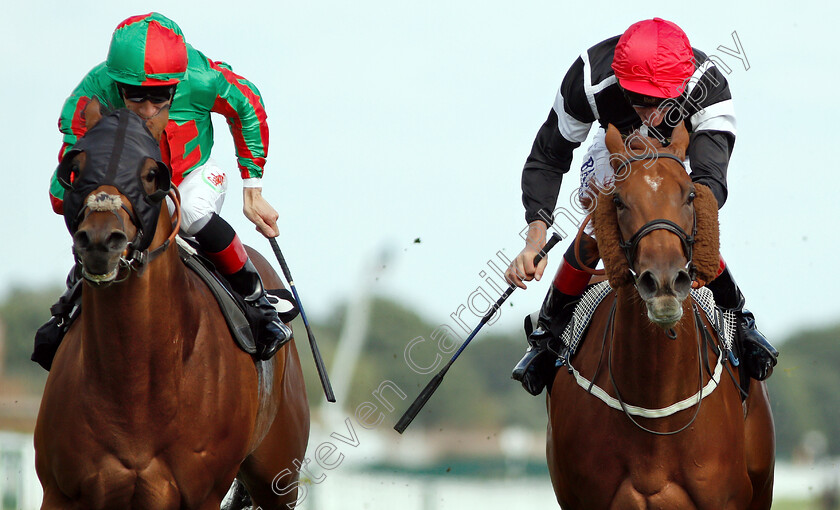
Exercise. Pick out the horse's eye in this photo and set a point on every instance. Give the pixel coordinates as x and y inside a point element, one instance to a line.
<point>151,176</point>
<point>619,204</point>
<point>691,197</point>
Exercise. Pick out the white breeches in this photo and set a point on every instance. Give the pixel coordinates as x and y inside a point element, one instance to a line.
<point>202,194</point>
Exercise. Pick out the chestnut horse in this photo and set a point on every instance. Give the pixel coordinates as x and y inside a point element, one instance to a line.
<point>150,403</point>
<point>646,348</point>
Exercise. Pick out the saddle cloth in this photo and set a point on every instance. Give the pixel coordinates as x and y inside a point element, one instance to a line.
<point>723,321</point>
<point>232,305</point>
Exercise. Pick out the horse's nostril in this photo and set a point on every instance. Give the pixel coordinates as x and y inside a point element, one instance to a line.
<point>116,241</point>
<point>682,282</point>
<point>647,285</point>
<point>81,239</point>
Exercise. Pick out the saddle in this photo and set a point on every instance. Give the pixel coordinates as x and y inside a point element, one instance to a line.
<point>232,305</point>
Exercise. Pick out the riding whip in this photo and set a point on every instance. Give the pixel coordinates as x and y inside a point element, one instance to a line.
<point>430,388</point>
<point>316,353</point>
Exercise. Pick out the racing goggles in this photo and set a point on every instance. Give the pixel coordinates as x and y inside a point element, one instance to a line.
<point>154,94</point>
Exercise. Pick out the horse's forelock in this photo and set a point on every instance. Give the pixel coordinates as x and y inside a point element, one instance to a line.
<point>706,247</point>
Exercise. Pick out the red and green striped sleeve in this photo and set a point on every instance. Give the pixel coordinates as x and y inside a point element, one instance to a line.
<point>241,103</point>
<point>71,122</point>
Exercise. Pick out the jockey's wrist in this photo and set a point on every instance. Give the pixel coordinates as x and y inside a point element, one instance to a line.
<point>536,235</point>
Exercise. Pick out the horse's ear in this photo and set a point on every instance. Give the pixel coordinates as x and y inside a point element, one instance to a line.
<point>615,145</point>
<point>158,123</point>
<point>93,113</point>
<point>679,141</point>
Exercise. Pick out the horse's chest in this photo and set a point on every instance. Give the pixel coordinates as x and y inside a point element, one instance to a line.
<point>105,463</point>
<point>602,460</point>
<point>654,474</point>
<point>105,481</point>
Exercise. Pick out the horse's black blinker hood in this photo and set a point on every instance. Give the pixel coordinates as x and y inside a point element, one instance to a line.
<point>117,148</point>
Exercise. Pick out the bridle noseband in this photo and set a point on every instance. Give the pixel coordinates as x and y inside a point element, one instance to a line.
<point>630,247</point>
<point>133,258</point>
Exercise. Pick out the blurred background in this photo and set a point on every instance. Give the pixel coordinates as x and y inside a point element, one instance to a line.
<point>398,134</point>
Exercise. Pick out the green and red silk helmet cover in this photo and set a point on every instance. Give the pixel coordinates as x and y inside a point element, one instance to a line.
<point>654,58</point>
<point>147,49</point>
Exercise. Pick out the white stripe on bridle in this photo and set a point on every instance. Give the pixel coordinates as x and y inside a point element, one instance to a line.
<point>104,202</point>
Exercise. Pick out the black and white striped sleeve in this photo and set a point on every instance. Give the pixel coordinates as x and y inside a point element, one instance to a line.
<point>567,126</point>
<point>711,122</point>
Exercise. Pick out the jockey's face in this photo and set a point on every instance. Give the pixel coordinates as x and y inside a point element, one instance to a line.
<point>652,110</point>
<point>147,102</point>
<point>652,115</point>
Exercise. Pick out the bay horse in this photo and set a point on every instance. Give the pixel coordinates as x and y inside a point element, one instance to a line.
<point>150,403</point>
<point>645,347</point>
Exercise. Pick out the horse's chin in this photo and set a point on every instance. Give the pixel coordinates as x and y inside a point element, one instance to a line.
<point>664,311</point>
<point>99,267</point>
<point>100,280</point>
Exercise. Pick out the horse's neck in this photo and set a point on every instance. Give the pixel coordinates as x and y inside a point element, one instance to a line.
<point>135,327</point>
<point>649,368</point>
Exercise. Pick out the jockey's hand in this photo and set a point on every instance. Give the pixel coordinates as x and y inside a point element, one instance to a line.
<point>696,284</point>
<point>260,212</point>
<point>522,268</point>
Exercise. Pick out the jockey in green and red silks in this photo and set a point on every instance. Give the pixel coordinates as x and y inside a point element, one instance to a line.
<point>207,86</point>
<point>151,70</point>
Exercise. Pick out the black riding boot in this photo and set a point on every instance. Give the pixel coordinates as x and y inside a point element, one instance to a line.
<point>535,369</point>
<point>64,312</point>
<point>272,334</point>
<point>757,354</point>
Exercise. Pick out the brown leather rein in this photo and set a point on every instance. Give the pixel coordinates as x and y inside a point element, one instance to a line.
<point>133,259</point>
<point>632,244</point>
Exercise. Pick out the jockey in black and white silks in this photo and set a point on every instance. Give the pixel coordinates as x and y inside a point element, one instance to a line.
<point>646,81</point>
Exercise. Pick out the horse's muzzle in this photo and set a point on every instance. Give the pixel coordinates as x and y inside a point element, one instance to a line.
<point>664,293</point>
<point>99,252</point>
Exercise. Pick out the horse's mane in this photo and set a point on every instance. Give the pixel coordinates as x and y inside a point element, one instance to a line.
<point>706,246</point>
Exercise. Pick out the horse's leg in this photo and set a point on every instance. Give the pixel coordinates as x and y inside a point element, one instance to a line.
<point>263,471</point>
<point>240,499</point>
<point>269,472</point>
<point>760,444</point>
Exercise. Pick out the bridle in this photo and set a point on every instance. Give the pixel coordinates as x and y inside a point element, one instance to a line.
<point>703,338</point>
<point>630,246</point>
<point>133,258</point>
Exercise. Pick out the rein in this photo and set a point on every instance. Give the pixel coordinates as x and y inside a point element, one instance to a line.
<point>702,337</point>
<point>701,391</point>
<point>585,267</point>
<point>631,246</point>
<point>136,259</point>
